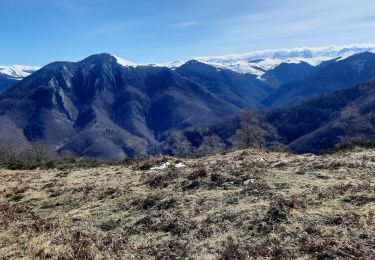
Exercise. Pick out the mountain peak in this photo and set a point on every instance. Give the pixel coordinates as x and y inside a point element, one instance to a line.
<point>194,62</point>
<point>109,58</point>
<point>100,57</point>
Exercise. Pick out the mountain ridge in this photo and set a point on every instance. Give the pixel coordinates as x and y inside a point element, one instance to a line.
<point>255,62</point>
<point>258,62</point>
<point>322,122</point>
<point>103,106</point>
<point>98,107</point>
<point>333,76</point>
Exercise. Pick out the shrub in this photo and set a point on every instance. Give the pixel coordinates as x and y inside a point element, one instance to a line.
<point>349,145</point>
<point>200,173</point>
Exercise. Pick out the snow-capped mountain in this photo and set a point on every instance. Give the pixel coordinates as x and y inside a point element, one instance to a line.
<point>17,71</point>
<point>259,62</point>
<point>10,75</point>
<point>108,107</point>
<point>256,63</point>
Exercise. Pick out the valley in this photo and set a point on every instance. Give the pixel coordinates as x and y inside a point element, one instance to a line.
<point>106,107</point>
<point>207,130</point>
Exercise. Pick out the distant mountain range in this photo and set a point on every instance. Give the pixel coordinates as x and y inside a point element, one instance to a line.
<point>255,63</point>
<point>9,75</point>
<point>259,62</point>
<point>108,107</point>
<point>326,78</point>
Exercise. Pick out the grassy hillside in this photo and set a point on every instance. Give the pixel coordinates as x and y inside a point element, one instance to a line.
<point>244,204</point>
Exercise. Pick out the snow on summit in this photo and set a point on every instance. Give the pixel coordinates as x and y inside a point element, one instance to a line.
<point>17,71</point>
<point>256,63</point>
<point>123,62</point>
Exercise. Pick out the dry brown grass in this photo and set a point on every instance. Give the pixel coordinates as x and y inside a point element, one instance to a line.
<point>300,206</point>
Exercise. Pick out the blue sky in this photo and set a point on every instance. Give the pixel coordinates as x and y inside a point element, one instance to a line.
<point>36,32</point>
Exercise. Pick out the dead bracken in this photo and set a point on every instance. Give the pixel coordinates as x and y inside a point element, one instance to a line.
<point>246,204</point>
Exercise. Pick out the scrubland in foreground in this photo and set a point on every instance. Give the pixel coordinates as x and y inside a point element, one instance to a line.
<point>240,205</point>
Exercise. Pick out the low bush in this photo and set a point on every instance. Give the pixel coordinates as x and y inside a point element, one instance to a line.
<point>351,144</point>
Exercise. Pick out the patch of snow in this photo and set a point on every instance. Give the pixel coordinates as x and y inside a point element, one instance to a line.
<point>173,65</point>
<point>249,181</point>
<point>163,166</point>
<point>180,165</point>
<point>228,184</point>
<point>166,165</point>
<point>125,63</point>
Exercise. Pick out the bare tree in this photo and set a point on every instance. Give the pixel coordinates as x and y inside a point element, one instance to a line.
<point>12,151</point>
<point>211,144</point>
<point>7,152</point>
<point>138,146</point>
<point>39,150</point>
<point>252,132</point>
<point>353,124</point>
<point>178,144</point>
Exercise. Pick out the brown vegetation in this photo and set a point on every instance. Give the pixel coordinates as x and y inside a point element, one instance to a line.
<point>246,204</point>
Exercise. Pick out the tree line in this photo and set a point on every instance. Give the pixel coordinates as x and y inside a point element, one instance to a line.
<point>248,130</point>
